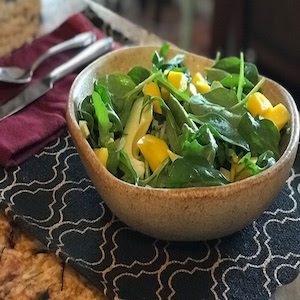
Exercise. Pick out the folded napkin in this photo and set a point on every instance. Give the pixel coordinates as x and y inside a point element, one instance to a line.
<point>28,131</point>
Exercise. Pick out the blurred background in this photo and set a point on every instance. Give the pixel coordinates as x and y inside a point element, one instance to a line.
<point>267,31</point>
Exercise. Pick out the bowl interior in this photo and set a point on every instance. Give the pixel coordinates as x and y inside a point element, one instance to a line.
<point>123,60</point>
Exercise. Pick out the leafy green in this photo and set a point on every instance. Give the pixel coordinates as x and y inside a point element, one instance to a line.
<point>214,74</point>
<point>138,74</point>
<point>156,179</point>
<point>266,160</point>
<point>232,66</point>
<point>129,173</point>
<point>180,115</point>
<point>114,119</point>
<point>222,129</point>
<point>117,85</point>
<point>221,96</point>
<point>100,89</point>
<point>231,81</point>
<point>164,49</point>
<point>86,111</point>
<point>250,167</point>
<point>104,124</point>
<point>118,163</point>
<point>241,82</point>
<point>199,106</point>
<point>193,171</point>
<point>200,142</point>
<point>172,129</point>
<point>261,134</point>
<point>123,92</point>
<point>174,64</point>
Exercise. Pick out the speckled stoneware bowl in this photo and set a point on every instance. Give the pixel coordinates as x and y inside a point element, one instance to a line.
<point>188,214</point>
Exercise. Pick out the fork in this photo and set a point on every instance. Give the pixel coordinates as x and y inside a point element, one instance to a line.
<point>19,75</point>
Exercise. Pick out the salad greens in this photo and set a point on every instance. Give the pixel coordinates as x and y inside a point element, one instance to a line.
<point>196,138</point>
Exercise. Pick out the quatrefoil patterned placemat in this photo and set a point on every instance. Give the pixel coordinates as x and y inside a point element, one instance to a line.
<point>51,197</point>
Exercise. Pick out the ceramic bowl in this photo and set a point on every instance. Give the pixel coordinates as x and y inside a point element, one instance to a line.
<point>188,214</point>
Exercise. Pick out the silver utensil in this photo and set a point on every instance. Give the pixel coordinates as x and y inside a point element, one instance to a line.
<point>18,75</point>
<point>42,86</point>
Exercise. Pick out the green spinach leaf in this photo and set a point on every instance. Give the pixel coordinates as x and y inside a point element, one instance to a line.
<point>232,81</point>
<point>261,134</point>
<point>117,85</point>
<point>200,105</point>
<point>222,129</point>
<point>193,171</point>
<point>221,96</point>
<point>138,74</point>
<point>232,66</point>
<point>214,74</point>
<point>200,142</point>
<point>104,124</point>
<point>180,115</point>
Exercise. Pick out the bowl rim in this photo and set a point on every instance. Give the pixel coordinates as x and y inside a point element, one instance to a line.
<point>228,188</point>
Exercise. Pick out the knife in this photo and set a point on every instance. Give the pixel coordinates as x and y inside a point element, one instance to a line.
<point>41,87</point>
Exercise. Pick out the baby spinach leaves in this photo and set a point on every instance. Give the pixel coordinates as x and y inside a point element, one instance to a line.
<point>200,142</point>
<point>118,163</point>
<point>261,134</point>
<point>222,129</point>
<point>104,124</point>
<point>138,74</point>
<point>232,65</point>
<point>193,171</point>
<point>117,85</point>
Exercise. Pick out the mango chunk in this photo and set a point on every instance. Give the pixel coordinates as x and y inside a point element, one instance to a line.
<point>258,104</point>
<point>197,77</point>
<point>202,87</point>
<point>152,89</point>
<point>178,80</point>
<point>278,114</point>
<point>154,150</point>
<point>199,82</point>
<point>102,154</point>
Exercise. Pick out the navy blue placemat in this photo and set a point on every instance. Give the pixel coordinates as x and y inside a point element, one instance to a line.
<point>51,197</point>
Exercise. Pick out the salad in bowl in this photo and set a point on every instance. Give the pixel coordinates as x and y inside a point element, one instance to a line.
<point>179,146</point>
<point>166,127</point>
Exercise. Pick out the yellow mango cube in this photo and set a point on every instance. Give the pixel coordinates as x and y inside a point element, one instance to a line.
<point>202,87</point>
<point>152,89</point>
<point>154,150</point>
<point>199,82</point>
<point>178,80</point>
<point>197,77</point>
<point>258,104</point>
<point>102,154</point>
<point>278,114</point>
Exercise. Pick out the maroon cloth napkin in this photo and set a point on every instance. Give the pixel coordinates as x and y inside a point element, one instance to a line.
<point>28,131</point>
